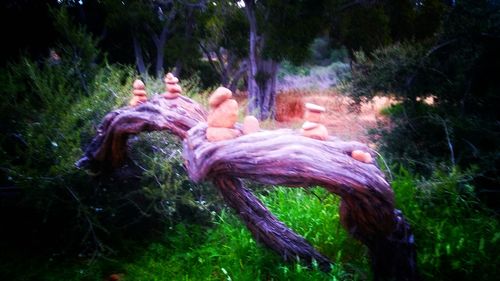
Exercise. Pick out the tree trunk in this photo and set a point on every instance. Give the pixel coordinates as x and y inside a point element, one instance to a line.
<point>253,92</point>
<point>272,157</point>
<point>139,59</point>
<point>262,74</point>
<point>243,69</point>
<point>160,55</point>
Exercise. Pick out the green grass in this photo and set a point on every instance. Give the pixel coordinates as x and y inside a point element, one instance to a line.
<point>228,251</point>
<point>457,239</point>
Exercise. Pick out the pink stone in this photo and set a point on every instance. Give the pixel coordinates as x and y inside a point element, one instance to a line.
<point>219,134</point>
<point>134,101</point>
<point>250,125</point>
<point>313,116</point>
<point>219,96</point>
<point>224,116</point>
<point>175,80</point>
<point>319,132</point>
<point>174,88</point>
<point>170,79</point>
<point>314,107</point>
<point>137,92</point>
<point>170,96</point>
<point>309,125</point>
<point>361,156</point>
<point>139,85</point>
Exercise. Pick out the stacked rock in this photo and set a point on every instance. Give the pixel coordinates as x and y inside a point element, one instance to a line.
<point>361,156</point>
<point>311,128</point>
<point>173,90</point>
<point>140,95</point>
<point>250,125</point>
<point>314,113</point>
<point>222,116</point>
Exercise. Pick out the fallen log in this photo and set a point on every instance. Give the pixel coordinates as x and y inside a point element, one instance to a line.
<point>271,157</point>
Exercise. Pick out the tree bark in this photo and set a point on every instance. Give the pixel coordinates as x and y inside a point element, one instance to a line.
<point>262,74</point>
<point>139,59</point>
<point>272,157</point>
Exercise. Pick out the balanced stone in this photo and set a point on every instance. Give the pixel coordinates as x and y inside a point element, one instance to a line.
<point>314,130</point>
<point>225,115</point>
<point>361,156</point>
<point>250,125</point>
<point>313,112</point>
<point>219,96</point>
<point>140,95</point>
<point>219,134</point>
<point>173,90</point>
<point>139,85</point>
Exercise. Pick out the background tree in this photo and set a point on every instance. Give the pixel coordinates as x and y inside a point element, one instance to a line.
<point>223,40</point>
<point>456,68</point>
<point>277,30</point>
<point>155,28</point>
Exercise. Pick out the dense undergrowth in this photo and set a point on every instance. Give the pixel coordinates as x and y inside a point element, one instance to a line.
<point>147,221</point>
<point>68,225</point>
<point>456,240</point>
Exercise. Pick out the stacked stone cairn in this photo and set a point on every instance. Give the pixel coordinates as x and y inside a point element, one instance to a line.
<point>312,127</point>
<point>173,90</point>
<point>222,117</point>
<point>140,95</point>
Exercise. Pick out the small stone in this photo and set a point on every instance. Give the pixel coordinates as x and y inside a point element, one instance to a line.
<point>319,132</point>
<point>220,134</point>
<point>225,115</point>
<point>313,116</point>
<point>171,79</point>
<point>137,92</point>
<point>250,125</point>
<point>139,85</point>
<point>174,88</point>
<point>314,107</point>
<point>140,95</point>
<point>170,96</point>
<point>219,96</point>
<point>361,156</point>
<point>309,125</point>
<point>136,100</point>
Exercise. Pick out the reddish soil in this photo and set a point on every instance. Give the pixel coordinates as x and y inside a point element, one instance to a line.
<point>341,119</point>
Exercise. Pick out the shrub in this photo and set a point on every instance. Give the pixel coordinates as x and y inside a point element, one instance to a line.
<point>455,68</point>
<point>456,237</point>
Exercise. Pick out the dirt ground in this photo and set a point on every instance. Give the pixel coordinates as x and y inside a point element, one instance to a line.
<point>341,119</point>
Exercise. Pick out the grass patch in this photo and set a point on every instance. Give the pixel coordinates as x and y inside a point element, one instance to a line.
<point>229,252</point>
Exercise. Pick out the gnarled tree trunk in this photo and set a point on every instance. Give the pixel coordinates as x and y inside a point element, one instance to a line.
<point>273,157</point>
<point>262,73</point>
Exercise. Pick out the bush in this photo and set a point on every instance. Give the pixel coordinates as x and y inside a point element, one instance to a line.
<point>460,127</point>
<point>51,111</point>
<point>457,238</point>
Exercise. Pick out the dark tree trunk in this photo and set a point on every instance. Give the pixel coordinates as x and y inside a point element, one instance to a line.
<point>272,157</point>
<point>262,74</point>
<point>139,59</point>
<point>238,75</point>
<point>160,43</point>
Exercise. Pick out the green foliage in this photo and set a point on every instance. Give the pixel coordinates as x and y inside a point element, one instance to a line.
<point>455,68</point>
<point>228,251</point>
<point>51,110</point>
<point>364,28</point>
<point>456,237</point>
